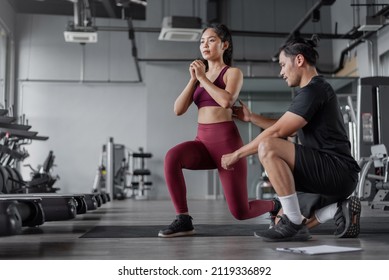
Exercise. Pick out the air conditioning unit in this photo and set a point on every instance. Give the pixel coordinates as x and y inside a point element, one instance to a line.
<point>178,28</point>
<point>80,37</point>
<point>371,23</point>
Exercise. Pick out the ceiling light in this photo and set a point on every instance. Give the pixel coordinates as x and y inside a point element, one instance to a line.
<point>80,37</point>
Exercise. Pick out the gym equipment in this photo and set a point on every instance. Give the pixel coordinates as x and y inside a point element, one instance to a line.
<point>19,212</point>
<point>29,208</point>
<point>373,138</point>
<point>91,202</point>
<point>42,179</point>
<point>103,183</point>
<point>10,220</point>
<point>34,202</point>
<point>372,114</point>
<point>347,107</point>
<point>140,183</point>
<point>121,170</point>
<point>55,207</point>
<point>374,187</point>
<point>264,189</point>
<point>59,208</point>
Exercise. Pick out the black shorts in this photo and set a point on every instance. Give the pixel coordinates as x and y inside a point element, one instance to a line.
<point>321,179</point>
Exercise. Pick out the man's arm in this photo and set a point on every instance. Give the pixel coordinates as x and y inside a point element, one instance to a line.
<point>243,113</point>
<point>286,126</point>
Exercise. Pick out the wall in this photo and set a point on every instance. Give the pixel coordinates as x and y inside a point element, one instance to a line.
<point>77,95</point>
<point>79,119</point>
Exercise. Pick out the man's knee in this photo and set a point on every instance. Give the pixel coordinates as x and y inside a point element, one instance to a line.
<point>266,148</point>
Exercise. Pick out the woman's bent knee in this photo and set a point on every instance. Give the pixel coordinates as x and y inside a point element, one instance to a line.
<point>239,215</point>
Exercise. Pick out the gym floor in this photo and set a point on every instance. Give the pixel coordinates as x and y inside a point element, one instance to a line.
<point>61,240</point>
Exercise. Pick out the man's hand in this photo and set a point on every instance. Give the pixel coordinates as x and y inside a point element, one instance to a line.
<point>229,160</point>
<point>242,112</point>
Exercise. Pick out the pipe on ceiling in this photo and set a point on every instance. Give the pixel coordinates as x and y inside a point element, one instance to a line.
<point>134,50</point>
<point>243,33</point>
<point>361,39</point>
<point>296,30</point>
<point>344,53</point>
<point>303,21</point>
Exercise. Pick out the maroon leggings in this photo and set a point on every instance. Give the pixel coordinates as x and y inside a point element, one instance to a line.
<point>204,153</point>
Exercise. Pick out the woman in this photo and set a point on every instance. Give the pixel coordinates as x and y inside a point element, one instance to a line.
<point>214,87</point>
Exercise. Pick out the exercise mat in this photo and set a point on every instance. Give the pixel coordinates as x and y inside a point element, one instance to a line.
<point>368,226</point>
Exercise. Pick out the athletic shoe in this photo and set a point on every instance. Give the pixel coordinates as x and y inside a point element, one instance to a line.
<point>181,226</point>
<point>274,213</point>
<point>347,218</point>
<point>285,230</point>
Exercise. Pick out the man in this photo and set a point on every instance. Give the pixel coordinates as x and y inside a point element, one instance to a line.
<point>320,166</point>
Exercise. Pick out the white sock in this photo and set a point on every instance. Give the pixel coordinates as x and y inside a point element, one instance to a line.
<point>326,213</point>
<point>291,208</point>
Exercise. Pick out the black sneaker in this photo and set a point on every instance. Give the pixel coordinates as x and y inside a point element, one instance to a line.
<point>347,218</point>
<point>181,226</point>
<point>274,213</point>
<point>285,230</point>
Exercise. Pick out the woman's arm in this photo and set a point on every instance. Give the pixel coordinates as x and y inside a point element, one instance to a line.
<point>224,97</point>
<point>185,99</point>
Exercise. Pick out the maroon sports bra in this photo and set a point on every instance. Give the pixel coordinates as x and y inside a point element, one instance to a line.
<point>202,98</point>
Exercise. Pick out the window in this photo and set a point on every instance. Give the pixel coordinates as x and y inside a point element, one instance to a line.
<point>384,63</point>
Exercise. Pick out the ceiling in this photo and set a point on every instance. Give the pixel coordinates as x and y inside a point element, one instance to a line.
<point>99,8</point>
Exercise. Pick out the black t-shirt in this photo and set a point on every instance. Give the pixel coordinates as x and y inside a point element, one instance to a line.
<point>318,104</point>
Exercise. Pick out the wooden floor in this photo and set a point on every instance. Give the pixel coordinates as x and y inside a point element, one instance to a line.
<point>61,240</point>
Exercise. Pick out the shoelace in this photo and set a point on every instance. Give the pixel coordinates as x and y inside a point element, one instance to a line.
<point>176,224</point>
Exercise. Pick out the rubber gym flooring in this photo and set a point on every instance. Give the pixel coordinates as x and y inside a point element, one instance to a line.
<point>127,229</point>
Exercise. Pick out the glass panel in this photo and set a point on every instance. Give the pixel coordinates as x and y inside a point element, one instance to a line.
<point>384,59</point>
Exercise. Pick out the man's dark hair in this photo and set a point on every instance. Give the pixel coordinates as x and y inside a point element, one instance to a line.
<point>305,47</point>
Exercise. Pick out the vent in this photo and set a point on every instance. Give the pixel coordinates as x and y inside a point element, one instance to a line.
<point>184,29</point>
<point>80,37</point>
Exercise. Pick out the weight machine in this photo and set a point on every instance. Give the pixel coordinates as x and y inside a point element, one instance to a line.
<point>121,170</point>
<point>373,140</point>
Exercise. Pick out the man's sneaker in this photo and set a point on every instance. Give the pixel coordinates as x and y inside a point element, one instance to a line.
<point>285,230</point>
<point>181,226</point>
<point>274,212</point>
<point>347,218</point>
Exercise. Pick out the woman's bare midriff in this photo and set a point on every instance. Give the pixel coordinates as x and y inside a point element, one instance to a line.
<point>213,114</point>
